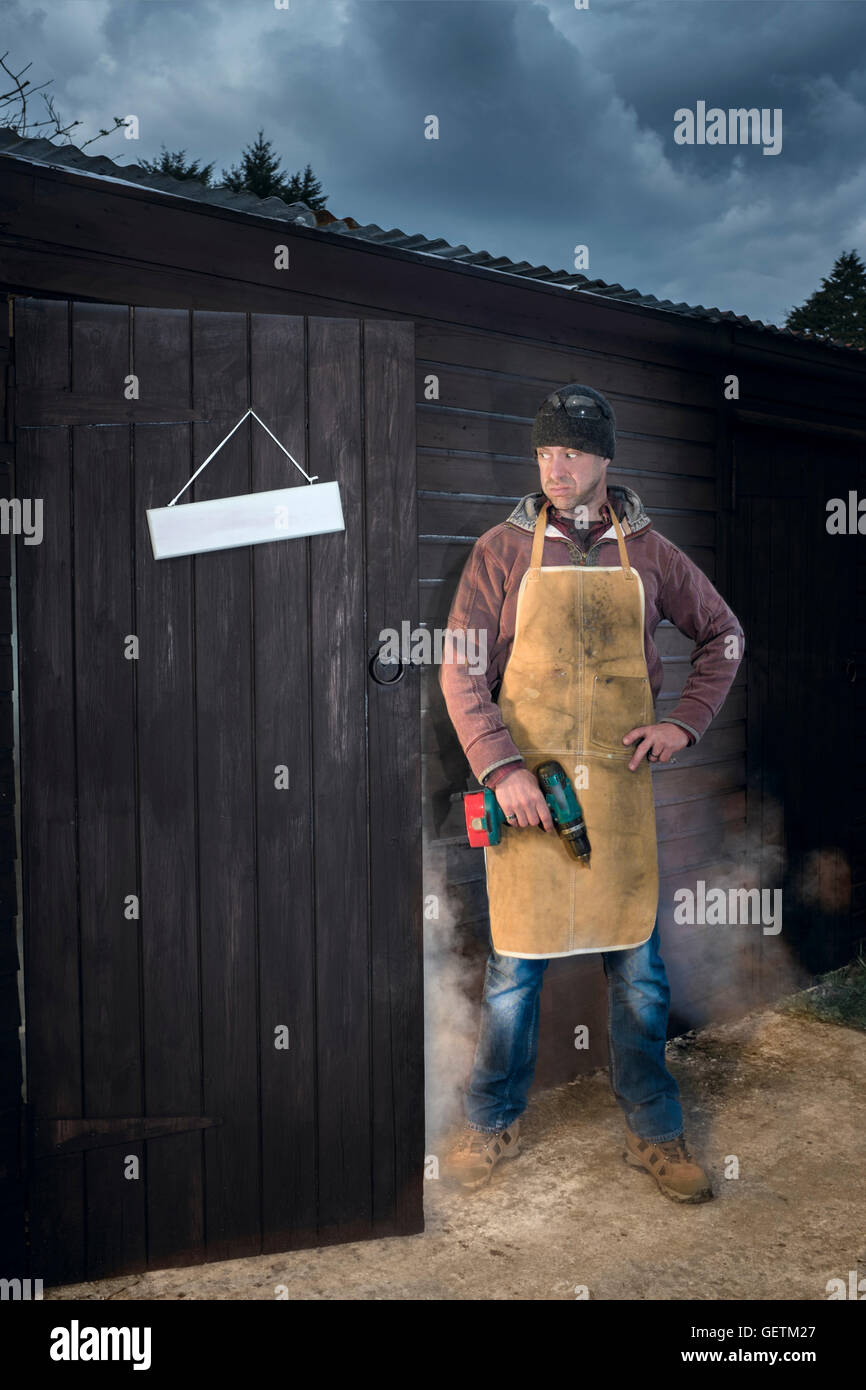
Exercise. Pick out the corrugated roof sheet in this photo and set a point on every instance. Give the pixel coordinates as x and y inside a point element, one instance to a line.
<point>42,151</point>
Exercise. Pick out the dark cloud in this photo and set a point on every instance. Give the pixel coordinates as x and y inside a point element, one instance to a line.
<point>556,125</point>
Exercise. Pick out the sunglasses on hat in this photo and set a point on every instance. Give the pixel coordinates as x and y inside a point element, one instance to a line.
<point>579,407</point>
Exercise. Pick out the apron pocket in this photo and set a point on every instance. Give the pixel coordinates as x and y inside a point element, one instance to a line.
<point>619,703</point>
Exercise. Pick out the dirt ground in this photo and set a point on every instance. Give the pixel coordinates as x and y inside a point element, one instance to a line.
<point>781,1092</point>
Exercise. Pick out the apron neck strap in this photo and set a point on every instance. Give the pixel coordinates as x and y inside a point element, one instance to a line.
<point>620,540</point>
<point>538,538</point>
<point>541,526</point>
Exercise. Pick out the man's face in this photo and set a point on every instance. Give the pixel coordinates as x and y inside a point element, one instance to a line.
<point>569,477</point>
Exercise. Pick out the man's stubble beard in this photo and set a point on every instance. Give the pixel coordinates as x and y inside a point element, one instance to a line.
<point>584,499</point>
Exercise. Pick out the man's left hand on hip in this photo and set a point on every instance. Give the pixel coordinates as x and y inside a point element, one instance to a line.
<point>657,742</point>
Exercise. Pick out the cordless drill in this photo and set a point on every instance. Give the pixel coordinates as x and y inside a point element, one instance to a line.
<point>485,817</point>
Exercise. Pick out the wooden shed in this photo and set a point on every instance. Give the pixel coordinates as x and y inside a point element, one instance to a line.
<point>222,966</point>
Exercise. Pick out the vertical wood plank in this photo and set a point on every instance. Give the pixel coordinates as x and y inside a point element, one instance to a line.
<point>284,852</point>
<point>776,539</point>
<point>814,562</point>
<point>167,807</point>
<point>340,792</point>
<point>227,828</point>
<point>835,472</point>
<point>395,784</point>
<point>107,794</point>
<point>12,1184</point>
<point>49,858</point>
<point>780,953</point>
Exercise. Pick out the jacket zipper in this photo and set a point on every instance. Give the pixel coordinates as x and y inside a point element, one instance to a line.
<point>577,555</point>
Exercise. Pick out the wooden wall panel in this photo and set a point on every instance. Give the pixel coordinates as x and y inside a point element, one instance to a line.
<point>166,737</point>
<point>240,779</point>
<point>284,696</point>
<point>103,622</point>
<point>226,836</point>
<point>799,805</point>
<point>48,801</point>
<point>12,1191</point>
<point>342,869</point>
<point>397,1077</point>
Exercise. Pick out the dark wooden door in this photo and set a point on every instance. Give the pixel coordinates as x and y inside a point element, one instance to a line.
<point>795,590</point>
<point>220,806</point>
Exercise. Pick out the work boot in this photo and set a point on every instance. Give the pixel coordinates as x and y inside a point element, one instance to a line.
<point>475,1153</point>
<point>672,1166</point>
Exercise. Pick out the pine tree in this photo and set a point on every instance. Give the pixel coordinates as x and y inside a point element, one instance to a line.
<point>838,309</point>
<point>258,171</point>
<point>177,166</point>
<point>305,188</point>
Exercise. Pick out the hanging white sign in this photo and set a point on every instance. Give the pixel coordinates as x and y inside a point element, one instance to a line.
<point>251,518</point>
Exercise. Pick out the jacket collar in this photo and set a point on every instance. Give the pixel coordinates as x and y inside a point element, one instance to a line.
<point>525,514</point>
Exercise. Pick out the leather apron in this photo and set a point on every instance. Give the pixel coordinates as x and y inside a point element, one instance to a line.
<point>576,681</point>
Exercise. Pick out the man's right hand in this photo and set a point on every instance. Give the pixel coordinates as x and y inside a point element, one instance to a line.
<point>520,795</point>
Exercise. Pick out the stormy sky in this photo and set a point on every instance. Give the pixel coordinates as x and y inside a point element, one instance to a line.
<point>556,125</point>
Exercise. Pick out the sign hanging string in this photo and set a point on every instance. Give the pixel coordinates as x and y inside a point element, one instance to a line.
<point>226,440</point>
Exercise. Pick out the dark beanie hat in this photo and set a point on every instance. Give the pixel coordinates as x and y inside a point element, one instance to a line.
<point>578,417</point>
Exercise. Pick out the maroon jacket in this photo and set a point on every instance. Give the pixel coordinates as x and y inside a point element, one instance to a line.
<point>674,587</point>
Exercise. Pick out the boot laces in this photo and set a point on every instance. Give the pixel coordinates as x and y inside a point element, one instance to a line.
<point>474,1141</point>
<point>675,1150</point>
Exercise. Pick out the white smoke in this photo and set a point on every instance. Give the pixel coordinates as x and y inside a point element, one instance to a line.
<point>451,1001</point>
<point>735,958</point>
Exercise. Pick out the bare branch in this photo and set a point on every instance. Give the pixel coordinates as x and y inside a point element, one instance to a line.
<point>18,95</point>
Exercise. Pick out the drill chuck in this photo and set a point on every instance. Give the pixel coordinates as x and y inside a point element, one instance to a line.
<point>565,809</point>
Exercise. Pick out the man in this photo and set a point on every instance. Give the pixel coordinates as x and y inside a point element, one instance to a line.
<point>579,672</point>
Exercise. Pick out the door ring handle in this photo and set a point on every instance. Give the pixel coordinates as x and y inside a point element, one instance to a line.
<point>378,670</point>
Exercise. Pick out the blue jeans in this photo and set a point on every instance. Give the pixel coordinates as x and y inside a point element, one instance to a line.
<point>638,998</point>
